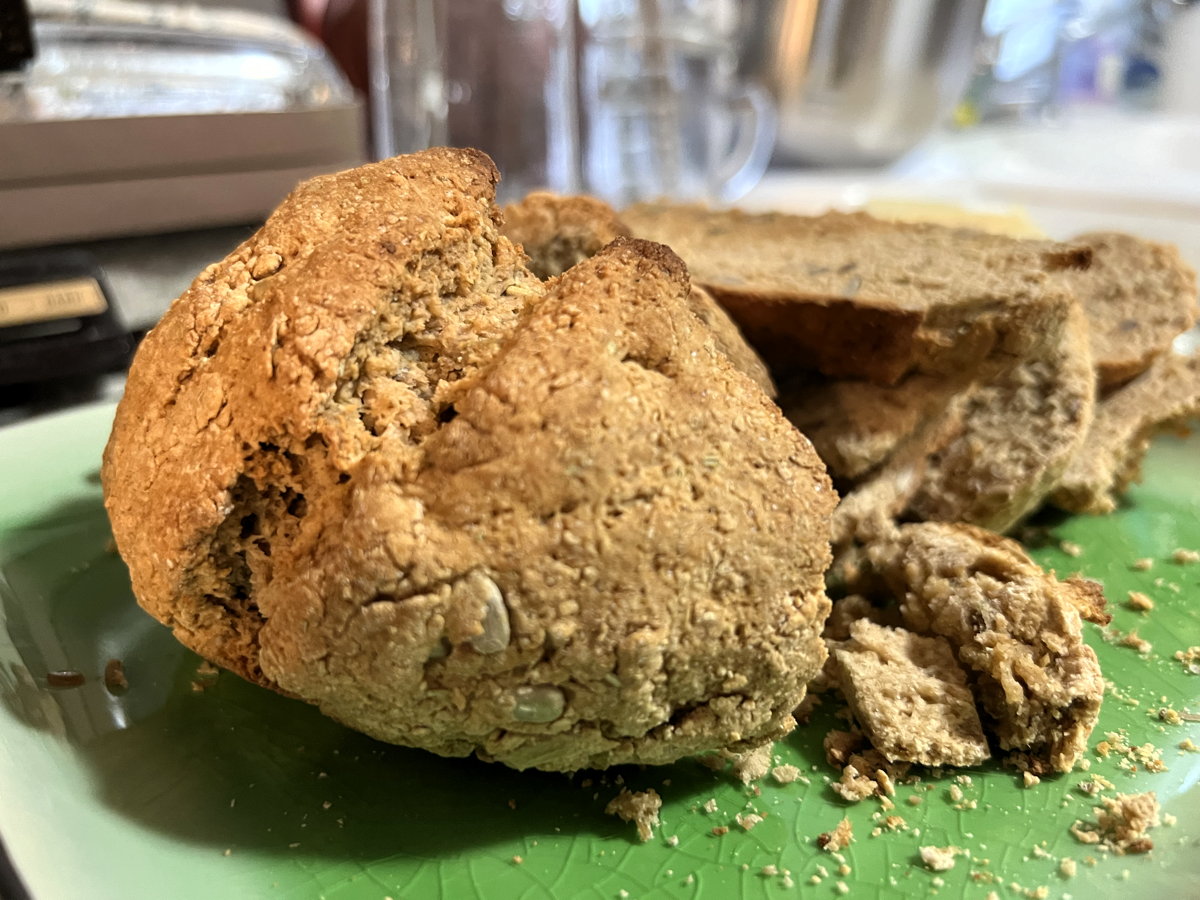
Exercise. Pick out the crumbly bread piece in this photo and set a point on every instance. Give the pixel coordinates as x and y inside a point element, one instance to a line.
<point>559,231</point>
<point>868,511</point>
<point>354,465</point>
<point>856,425</point>
<point>1016,630</point>
<point>1020,432</point>
<point>910,696</point>
<point>1165,397</point>
<point>1138,295</point>
<point>1122,823</point>
<point>852,296</point>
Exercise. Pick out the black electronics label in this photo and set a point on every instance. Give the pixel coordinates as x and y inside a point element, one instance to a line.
<point>50,300</point>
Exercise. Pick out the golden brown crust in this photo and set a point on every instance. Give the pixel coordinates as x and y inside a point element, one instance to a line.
<point>558,231</point>
<point>463,509</point>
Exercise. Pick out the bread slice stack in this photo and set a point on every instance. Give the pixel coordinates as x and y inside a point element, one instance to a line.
<point>949,375</point>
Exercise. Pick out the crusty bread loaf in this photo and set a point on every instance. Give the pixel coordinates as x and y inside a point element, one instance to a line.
<point>1015,628</point>
<point>1164,397</point>
<point>1020,431</point>
<point>1138,296</point>
<point>852,296</point>
<point>372,461</point>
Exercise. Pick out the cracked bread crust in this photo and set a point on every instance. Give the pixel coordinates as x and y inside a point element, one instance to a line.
<point>559,231</point>
<point>1016,630</point>
<point>458,508</point>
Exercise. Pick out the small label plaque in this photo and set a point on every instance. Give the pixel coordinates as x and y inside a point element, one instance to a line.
<point>51,300</point>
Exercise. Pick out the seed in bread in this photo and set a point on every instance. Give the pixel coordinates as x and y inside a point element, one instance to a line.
<point>1016,631</point>
<point>851,296</point>
<point>356,464</point>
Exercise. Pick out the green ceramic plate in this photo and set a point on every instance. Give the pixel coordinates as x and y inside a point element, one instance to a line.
<point>168,791</point>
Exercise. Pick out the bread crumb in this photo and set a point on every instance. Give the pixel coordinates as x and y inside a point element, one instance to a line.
<point>955,793</point>
<point>518,860</point>
<point>1070,548</point>
<point>710,805</point>
<point>720,830</point>
<point>1188,746</point>
<point>1190,659</point>
<point>1029,779</point>
<point>228,851</point>
<point>939,859</point>
<point>754,765</point>
<point>842,888</point>
<point>768,871</point>
<point>1139,601</point>
<point>895,823</point>
<point>785,774</point>
<point>639,807</point>
<point>1140,644</point>
<point>914,800</point>
<point>1121,823</point>
<point>1067,867</point>
<point>1185,557</point>
<point>841,836</point>
<point>747,821</point>
<point>114,677</point>
<point>673,840</point>
<point>1145,564</point>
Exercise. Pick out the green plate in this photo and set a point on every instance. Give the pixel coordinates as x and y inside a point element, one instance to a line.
<point>230,791</point>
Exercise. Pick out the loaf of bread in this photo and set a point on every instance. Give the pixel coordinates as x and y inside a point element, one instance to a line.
<point>371,460</point>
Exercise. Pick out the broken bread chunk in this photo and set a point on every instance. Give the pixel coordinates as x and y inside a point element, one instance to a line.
<point>1016,631</point>
<point>1020,432</point>
<point>371,461</point>
<point>1165,397</point>
<point>910,696</point>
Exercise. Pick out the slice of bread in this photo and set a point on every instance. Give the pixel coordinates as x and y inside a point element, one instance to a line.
<point>1138,296</point>
<point>852,296</point>
<point>856,425</point>
<point>1015,629</point>
<point>910,696</point>
<point>1162,398</point>
<point>1020,432</point>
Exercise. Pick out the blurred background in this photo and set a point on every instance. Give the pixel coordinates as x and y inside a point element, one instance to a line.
<point>141,140</point>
